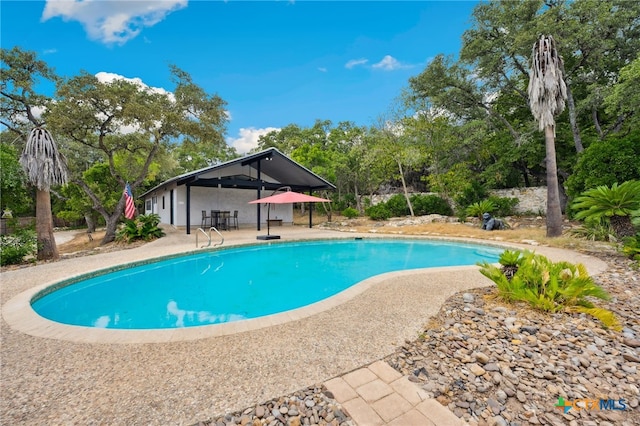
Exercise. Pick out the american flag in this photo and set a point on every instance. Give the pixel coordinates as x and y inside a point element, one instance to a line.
<point>129,207</point>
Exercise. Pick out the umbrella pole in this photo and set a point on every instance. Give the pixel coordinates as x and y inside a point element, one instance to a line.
<point>268,211</point>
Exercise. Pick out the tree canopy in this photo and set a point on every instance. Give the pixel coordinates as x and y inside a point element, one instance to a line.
<point>119,123</point>
<point>462,122</point>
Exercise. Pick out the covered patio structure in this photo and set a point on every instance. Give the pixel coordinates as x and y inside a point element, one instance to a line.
<point>231,185</point>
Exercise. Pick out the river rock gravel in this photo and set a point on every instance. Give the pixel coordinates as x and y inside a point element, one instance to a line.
<point>311,406</point>
<point>494,363</point>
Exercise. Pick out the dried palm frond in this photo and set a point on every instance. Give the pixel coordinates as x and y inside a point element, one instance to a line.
<point>547,89</point>
<point>42,162</point>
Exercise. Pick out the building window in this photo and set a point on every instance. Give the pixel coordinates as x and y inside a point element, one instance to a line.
<point>163,202</point>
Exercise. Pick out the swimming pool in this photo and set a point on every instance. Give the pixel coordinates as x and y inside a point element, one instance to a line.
<point>240,283</point>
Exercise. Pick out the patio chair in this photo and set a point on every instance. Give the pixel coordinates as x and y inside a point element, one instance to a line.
<point>215,218</point>
<point>235,220</point>
<point>224,220</point>
<point>205,219</point>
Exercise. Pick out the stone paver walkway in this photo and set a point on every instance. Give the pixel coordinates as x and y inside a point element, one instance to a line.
<point>379,395</point>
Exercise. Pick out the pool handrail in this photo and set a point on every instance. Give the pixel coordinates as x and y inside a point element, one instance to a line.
<point>209,237</point>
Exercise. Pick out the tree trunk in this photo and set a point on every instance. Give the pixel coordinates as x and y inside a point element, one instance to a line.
<point>112,225</point>
<point>47,248</point>
<point>111,221</point>
<point>622,226</point>
<point>91,224</point>
<point>554,213</point>
<point>404,188</point>
<point>577,140</point>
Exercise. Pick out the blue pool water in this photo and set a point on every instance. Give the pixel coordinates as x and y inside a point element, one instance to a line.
<point>241,283</point>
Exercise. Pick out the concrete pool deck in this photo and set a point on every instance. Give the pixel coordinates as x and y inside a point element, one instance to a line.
<point>57,374</point>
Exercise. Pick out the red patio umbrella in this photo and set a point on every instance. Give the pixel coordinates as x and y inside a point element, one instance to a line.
<point>287,197</point>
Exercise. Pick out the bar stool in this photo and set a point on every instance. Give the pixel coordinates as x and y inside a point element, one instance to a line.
<point>205,218</point>
<point>235,220</point>
<point>215,218</point>
<point>224,220</point>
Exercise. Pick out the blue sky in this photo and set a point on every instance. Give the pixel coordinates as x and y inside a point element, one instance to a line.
<point>274,62</point>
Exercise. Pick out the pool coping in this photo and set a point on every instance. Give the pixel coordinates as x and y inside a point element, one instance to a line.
<point>189,381</point>
<point>20,316</point>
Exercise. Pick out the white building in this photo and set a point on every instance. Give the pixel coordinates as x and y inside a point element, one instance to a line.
<point>230,187</point>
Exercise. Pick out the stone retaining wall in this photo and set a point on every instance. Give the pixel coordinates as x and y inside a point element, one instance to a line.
<point>531,200</point>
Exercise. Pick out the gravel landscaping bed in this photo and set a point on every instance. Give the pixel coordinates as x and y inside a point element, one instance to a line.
<point>493,363</point>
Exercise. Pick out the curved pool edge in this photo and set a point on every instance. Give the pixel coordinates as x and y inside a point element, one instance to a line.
<point>20,316</point>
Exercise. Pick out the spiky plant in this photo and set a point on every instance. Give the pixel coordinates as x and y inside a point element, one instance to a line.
<point>143,227</point>
<point>550,286</point>
<point>594,230</point>
<point>547,94</point>
<point>44,166</point>
<point>631,247</point>
<point>477,209</point>
<point>616,204</point>
<point>510,261</point>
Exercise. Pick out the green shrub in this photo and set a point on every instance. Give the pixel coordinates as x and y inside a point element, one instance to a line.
<point>350,213</point>
<point>14,247</point>
<point>594,230</point>
<point>631,247</point>
<point>548,286</point>
<point>378,212</point>
<point>342,202</point>
<point>397,205</point>
<point>504,206</point>
<point>143,227</point>
<point>472,193</point>
<point>430,204</point>
<point>603,163</point>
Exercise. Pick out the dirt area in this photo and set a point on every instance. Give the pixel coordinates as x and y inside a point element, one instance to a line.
<point>521,229</point>
<point>82,245</point>
<point>81,241</point>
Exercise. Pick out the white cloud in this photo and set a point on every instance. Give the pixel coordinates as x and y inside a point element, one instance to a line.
<point>21,117</point>
<point>248,138</point>
<point>322,69</point>
<point>37,111</point>
<point>355,62</point>
<point>389,63</point>
<point>108,77</point>
<point>112,21</point>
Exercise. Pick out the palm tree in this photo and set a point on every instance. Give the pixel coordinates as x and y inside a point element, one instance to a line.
<point>547,94</point>
<point>44,167</point>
